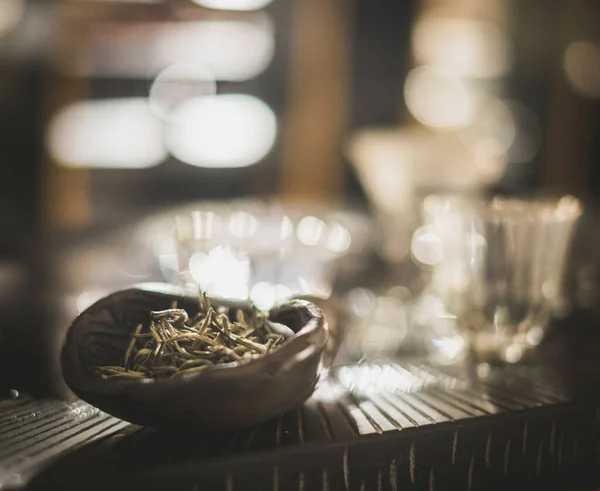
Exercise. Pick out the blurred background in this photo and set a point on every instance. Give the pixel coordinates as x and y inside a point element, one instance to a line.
<point>328,121</point>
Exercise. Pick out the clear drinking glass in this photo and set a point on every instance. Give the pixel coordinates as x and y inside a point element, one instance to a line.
<point>265,253</point>
<point>497,267</point>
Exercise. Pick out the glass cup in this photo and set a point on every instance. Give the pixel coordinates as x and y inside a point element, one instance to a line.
<point>265,253</point>
<point>497,267</point>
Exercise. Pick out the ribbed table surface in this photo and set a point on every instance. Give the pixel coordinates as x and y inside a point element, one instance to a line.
<point>385,426</point>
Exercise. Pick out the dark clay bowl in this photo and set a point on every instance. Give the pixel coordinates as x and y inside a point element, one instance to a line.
<point>225,396</point>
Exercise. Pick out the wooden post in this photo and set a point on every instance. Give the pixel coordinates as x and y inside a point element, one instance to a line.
<point>65,192</point>
<point>569,130</point>
<point>317,107</point>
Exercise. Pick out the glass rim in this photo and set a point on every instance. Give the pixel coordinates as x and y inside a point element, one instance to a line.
<point>548,208</point>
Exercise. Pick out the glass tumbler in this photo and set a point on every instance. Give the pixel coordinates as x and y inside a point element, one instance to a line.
<point>265,253</point>
<point>498,268</point>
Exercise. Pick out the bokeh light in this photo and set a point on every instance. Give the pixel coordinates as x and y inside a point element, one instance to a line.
<point>362,301</point>
<point>264,294</point>
<point>581,63</point>
<point>230,48</point>
<point>199,225</point>
<point>89,297</point>
<point>513,353</point>
<point>339,238</point>
<point>165,250</point>
<point>242,225</point>
<point>504,127</point>
<point>222,271</point>
<point>438,98</point>
<point>110,133</point>
<point>233,50</point>
<point>534,336</point>
<point>371,378</point>
<point>310,230</point>
<point>233,4</point>
<point>465,46</point>
<point>494,125</point>
<point>286,229</point>
<point>448,350</point>
<point>426,246</point>
<point>382,323</point>
<point>223,131</point>
<point>11,13</point>
<point>177,84</point>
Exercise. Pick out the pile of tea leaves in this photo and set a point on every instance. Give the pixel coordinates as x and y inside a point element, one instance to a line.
<point>173,343</point>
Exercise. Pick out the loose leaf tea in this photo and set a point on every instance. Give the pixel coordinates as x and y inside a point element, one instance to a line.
<point>173,344</point>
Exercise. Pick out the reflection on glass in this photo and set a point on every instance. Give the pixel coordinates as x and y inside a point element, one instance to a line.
<point>381,323</point>
<point>426,246</point>
<point>494,125</point>
<point>264,294</point>
<point>310,230</point>
<point>447,349</point>
<point>223,131</point>
<point>442,340</point>
<point>168,265</point>
<point>204,224</point>
<point>242,224</point>
<point>338,238</point>
<point>286,229</point>
<point>222,271</point>
<point>362,301</point>
<point>111,133</point>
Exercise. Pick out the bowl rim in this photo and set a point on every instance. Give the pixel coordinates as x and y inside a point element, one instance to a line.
<point>310,338</point>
